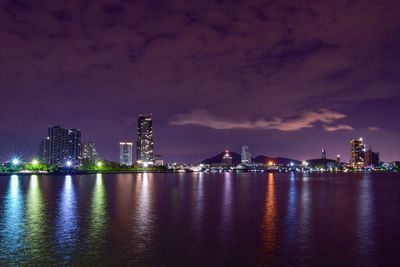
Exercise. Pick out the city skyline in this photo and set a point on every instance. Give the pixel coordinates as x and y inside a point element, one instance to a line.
<point>286,79</point>
<point>71,148</point>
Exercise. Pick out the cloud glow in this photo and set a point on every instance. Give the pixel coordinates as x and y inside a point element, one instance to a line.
<point>305,120</point>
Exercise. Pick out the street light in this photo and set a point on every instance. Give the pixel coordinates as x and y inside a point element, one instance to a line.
<point>15,161</point>
<point>69,163</point>
<point>99,164</point>
<point>35,162</point>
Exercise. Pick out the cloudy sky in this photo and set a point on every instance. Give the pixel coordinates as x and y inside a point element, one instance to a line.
<point>284,77</point>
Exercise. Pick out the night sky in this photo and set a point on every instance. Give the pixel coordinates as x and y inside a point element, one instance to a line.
<point>285,78</point>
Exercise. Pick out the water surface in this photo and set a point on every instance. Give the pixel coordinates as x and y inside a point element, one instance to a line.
<point>264,219</point>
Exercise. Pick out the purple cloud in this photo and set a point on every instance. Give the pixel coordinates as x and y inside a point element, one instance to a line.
<point>305,120</point>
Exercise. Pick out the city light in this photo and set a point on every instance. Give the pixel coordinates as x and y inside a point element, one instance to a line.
<point>145,164</point>
<point>69,163</point>
<point>15,161</point>
<point>35,162</point>
<point>99,164</point>
<point>291,164</point>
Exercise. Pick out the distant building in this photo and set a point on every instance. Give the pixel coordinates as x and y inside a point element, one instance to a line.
<point>227,159</point>
<point>125,153</point>
<point>357,153</point>
<point>158,160</point>
<point>371,158</point>
<point>144,143</point>
<point>323,154</point>
<point>74,146</point>
<point>246,155</point>
<point>43,154</point>
<point>64,145</point>
<point>89,153</point>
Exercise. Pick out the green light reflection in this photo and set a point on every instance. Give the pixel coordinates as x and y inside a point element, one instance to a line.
<point>36,224</point>
<point>95,239</point>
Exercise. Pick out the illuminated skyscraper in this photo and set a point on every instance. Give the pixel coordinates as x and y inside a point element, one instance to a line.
<point>246,155</point>
<point>64,145</point>
<point>144,143</point>
<point>74,146</point>
<point>89,153</point>
<point>371,158</point>
<point>125,153</point>
<point>357,153</point>
<point>44,150</point>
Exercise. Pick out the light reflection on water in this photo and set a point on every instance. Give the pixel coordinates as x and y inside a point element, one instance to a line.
<point>143,220</point>
<point>366,222</point>
<point>67,225</point>
<point>269,220</point>
<point>98,218</point>
<point>36,224</point>
<point>212,219</point>
<point>12,223</point>
<point>305,214</point>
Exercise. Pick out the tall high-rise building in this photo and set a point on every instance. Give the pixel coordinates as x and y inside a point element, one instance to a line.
<point>357,153</point>
<point>89,153</point>
<point>246,155</point>
<point>144,143</point>
<point>74,146</point>
<point>58,145</point>
<point>43,154</point>
<point>64,145</point>
<point>125,153</point>
<point>323,154</point>
<point>371,158</point>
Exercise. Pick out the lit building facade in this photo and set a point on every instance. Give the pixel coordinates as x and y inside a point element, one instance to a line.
<point>245,155</point>
<point>63,145</point>
<point>125,153</point>
<point>89,153</point>
<point>158,160</point>
<point>144,143</point>
<point>357,153</point>
<point>371,158</point>
<point>43,154</point>
<point>74,146</point>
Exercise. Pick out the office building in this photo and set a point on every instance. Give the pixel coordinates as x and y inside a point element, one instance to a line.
<point>89,153</point>
<point>125,153</point>
<point>357,153</point>
<point>246,155</point>
<point>43,154</point>
<point>158,160</point>
<point>74,146</point>
<point>64,145</point>
<point>144,143</point>
<point>371,158</point>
